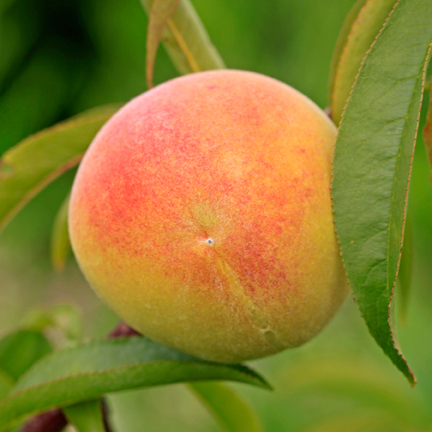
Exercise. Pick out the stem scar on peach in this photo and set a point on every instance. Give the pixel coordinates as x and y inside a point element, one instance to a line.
<point>202,215</point>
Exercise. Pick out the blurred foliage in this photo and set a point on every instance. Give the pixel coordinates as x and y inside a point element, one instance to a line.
<point>60,57</point>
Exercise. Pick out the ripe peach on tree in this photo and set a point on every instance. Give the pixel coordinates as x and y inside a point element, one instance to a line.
<point>202,215</point>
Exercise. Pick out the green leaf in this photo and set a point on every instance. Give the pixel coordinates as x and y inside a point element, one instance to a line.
<point>20,350</point>
<point>6,384</point>
<point>86,416</point>
<point>227,407</point>
<point>161,12</point>
<point>90,370</point>
<point>187,41</point>
<point>405,271</point>
<point>372,164</point>
<point>60,242</point>
<point>364,22</point>
<point>31,165</point>
<point>427,132</point>
<point>344,34</point>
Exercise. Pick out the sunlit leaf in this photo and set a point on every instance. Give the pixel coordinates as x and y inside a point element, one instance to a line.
<point>187,41</point>
<point>60,242</point>
<point>88,371</point>
<point>86,416</point>
<point>364,22</point>
<point>227,407</point>
<point>372,164</point>
<point>31,165</point>
<point>160,13</point>
<point>427,132</point>
<point>20,350</point>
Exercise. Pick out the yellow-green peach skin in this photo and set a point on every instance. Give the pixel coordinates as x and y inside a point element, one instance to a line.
<point>201,214</point>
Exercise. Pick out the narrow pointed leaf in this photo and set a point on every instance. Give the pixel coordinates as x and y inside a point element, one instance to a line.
<point>427,133</point>
<point>405,271</point>
<point>32,164</point>
<point>347,60</point>
<point>20,350</point>
<point>187,41</point>
<point>232,412</point>
<point>90,370</point>
<point>86,416</point>
<point>344,34</point>
<point>60,242</point>
<point>372,164</point>
<point>160,13</point>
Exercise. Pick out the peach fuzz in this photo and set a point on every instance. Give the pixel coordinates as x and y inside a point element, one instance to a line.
<point>202,215</point>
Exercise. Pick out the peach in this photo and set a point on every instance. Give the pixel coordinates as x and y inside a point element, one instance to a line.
<point>202,215</point>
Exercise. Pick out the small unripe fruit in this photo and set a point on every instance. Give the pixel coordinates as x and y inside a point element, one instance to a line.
<point>202,215</point>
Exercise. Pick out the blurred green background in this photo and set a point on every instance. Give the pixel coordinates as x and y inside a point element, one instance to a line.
<point>60,57</point>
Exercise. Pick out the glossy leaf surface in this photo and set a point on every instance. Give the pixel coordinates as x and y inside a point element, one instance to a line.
<point>372,164</point>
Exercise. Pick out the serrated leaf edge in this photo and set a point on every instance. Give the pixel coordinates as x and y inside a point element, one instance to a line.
<point>413,380</point>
